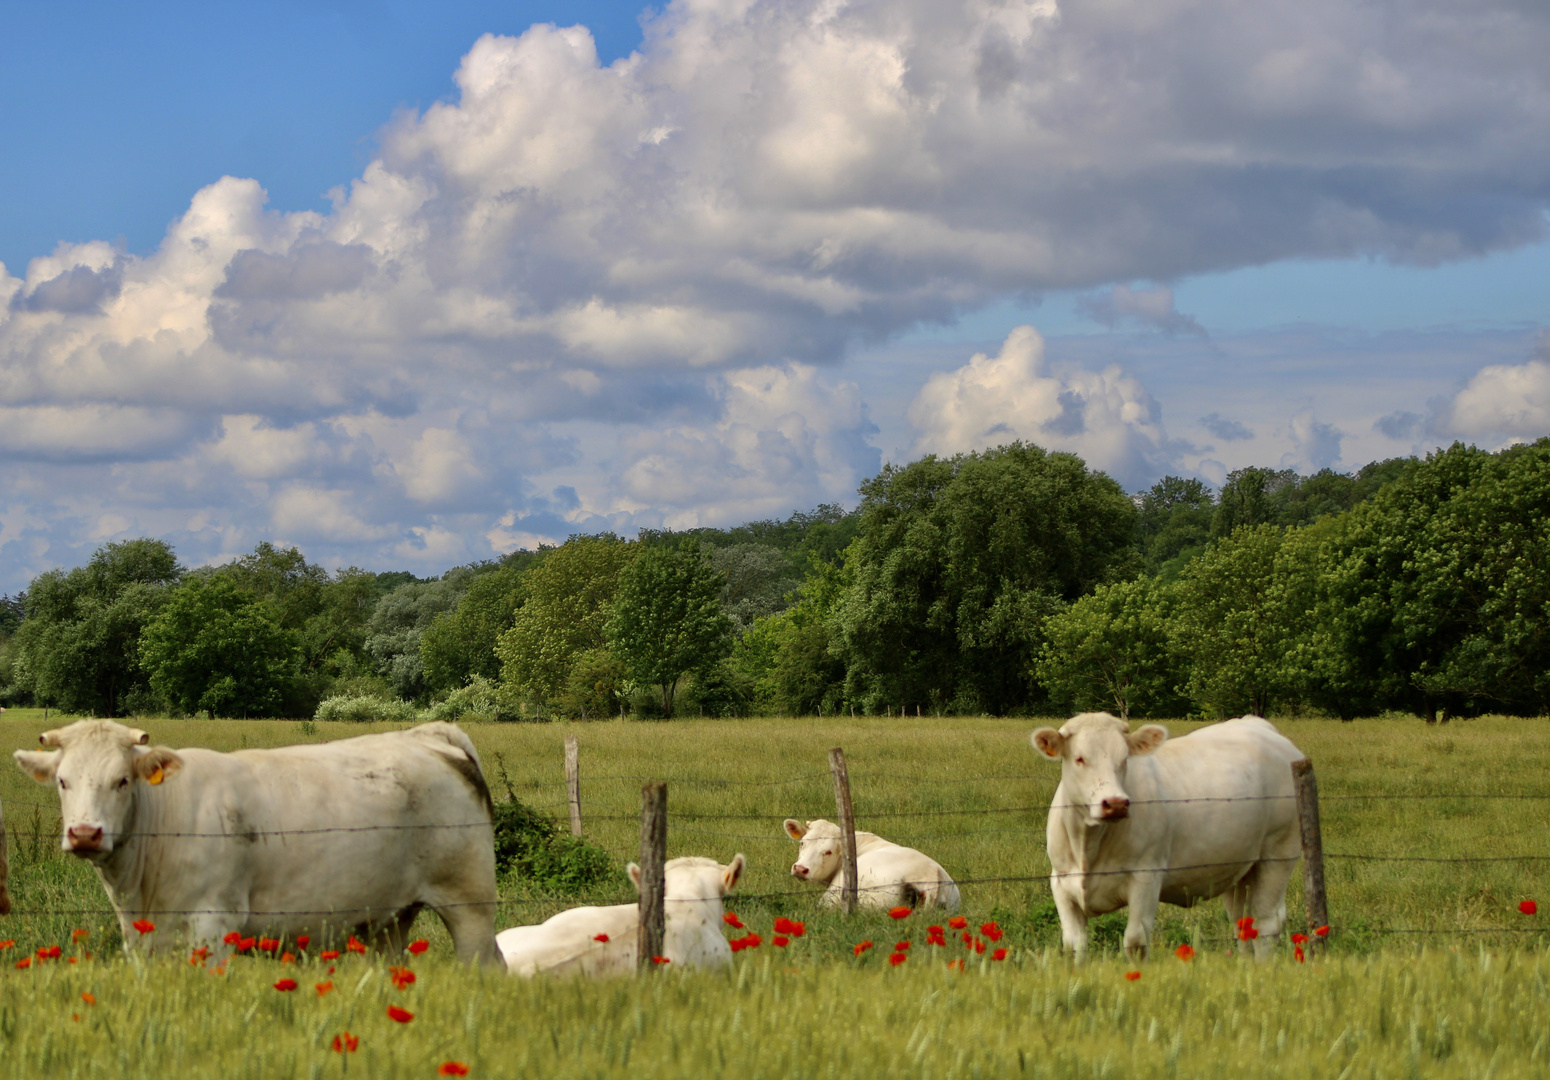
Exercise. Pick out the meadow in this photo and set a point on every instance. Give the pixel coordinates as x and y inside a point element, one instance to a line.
<point>1431,969</point>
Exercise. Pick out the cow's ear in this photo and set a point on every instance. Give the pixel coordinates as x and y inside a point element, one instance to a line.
<point>157,764</point>
<point>1145,739</point>
<point>733,872</point>
<point>39,764</point>
<point>1049,742</point>
<point>138,737</point>
<point>795,829</point>
<point>51,738</point>
<point>634,874</point>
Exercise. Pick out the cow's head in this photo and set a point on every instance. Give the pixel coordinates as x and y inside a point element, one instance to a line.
<point>98,766</point>
<point>695,878</point>
<point>1093,749</point>
<point>818,859</point>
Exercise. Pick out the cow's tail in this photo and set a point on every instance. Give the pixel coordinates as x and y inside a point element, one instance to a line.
<point>454,745</point>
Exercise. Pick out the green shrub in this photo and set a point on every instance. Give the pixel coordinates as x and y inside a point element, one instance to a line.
<point>365,709</point>
<point>480,700</point>
<point>532,847</point>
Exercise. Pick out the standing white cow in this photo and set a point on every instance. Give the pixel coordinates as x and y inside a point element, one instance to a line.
<point>887,875</point>
<point>602,940</point>
<point>354,836</point>
<point>1139,818</point>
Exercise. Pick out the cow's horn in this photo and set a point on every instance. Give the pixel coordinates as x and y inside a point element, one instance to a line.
<point>50,738</point>
<point>141,738</point>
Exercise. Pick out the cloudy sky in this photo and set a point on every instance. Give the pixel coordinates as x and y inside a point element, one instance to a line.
<point>409,285</point>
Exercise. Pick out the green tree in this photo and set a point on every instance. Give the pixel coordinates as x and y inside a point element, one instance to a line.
<point>215,647</point>
<point>959,562</point>
<point>1112,649</point>
<point>788,659</point>
<point>78,647</point>
<point>563,611</point>
<point>667,618</point>
<point>1248,498</point>
<point>1173,524</point>
<point>758,579</point>
<point>460,643</point>
<point>401,618</point>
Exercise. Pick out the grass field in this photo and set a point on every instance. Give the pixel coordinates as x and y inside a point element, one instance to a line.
<point>1432,971</point>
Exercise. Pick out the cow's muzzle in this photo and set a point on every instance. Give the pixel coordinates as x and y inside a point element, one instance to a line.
<point>1114,809</point>
<point>798,870</point>
<point>84,840</point>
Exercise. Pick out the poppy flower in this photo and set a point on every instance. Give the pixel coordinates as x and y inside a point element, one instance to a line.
<point>323,987</point>
<point>89,999</point>
<point>780,941</point>
<point>958,922</point>
<point>901,946</point>
<point>402,1016</point>
<point>346,1043</point>
<point>1185,953</point>
<point>862,947</point>
<point>246,944</point>
<point>199,955</point>
<point>1298,939</point>
<point>268,944</point>
<point>1246,931</point>
<point>660,960</point>
<point>937,930</point>
<point>752,940</point>
<point>1528,907</point>
<point>452,1068</point>
<point>287,958</point>
<point>1322,931</point>
<point>731,919</point>
<point>73,959</point>
<point>979,947</point>
<point>999,954</point>
<point>897,958</point>
<point>8,943</point>
<point>82,935</point>
<point>899,912</point>
<point>301,942</point>
<point>1132,976</point>
<point>1297,952</point>
<point>784,925</point>
<point>402,977</point>
<point>24,962</point>
<point>992,931</point>
<point>955,965</point>
<point>285,985</point>
<point>49,952</point>
<point>329,954</point>
<point>601,937</point>
<point>736,945</point>
<point>417,946</point>
<point>967,938</point>
<point>354,946</point>
<point>232,938</point>
<point>145,926</point>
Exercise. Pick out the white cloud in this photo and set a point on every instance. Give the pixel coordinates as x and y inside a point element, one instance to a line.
<point>1502,401</point>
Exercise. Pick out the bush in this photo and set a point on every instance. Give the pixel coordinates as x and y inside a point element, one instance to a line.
<point>364,710</point>
<point>532,847</point>
<point>480,700</point>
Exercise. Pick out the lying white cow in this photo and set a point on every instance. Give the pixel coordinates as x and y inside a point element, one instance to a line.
<point>327,839</point>
<point>887,875</point>
<point>602,940</point>
<point>1139,818</point>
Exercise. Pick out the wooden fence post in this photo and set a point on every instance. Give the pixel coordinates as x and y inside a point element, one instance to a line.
<point>850,877</point>
<point>653,857</point>
<point>1315,902</point>
<point>573,783</point>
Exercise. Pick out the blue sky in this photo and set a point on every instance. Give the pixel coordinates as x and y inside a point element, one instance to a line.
<point>473,283</point>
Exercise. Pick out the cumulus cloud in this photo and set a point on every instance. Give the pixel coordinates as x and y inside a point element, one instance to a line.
<point>1225,429</point>
<point>1315,444</point>
<point>1107,417</point>
<point>1502,402</point>
<point>1153,307</point>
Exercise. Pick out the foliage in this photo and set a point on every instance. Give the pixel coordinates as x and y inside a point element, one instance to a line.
<point>806,538</point>
<point>531,847</point>
<point>362,710</point>
<point>667,618</point>
<point>459,644</point>
<point>959,562</point>
<point>1173,524</point>
<point>78,648</point>
<point>595,686</point>
<point>216,648</point>
<point>1112,650</point>
<point>480,701</point>
<point>12,610</point>
<point>401,618</point>
<point>758,580</point>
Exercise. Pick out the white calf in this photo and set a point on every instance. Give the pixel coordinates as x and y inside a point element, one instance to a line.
<point>887,875</point>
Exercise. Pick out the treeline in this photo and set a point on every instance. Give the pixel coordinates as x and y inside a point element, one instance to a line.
<point>1009,581</point>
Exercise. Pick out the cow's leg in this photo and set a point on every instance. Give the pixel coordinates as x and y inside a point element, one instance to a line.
<point>1142,900</point>
<point>1073,919</point>
<point>1267,903</point>
<point>472,926</point>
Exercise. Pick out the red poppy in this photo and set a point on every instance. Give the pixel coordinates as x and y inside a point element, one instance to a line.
<point>979,947</point>
<point>232,938</point>
<point>660,960</point>
<point>899,912</point>
<point>958,922</point>
<point>24,962</point>
<point>1246,931</point>
<point>323,987</point>
<point>1298,939</point>
<point>955,965</point>
<point>354,946</point>
<point>8,943</point>
<point>784,925</point>
<point>1185,953</point>
<point>999,954</point>
<point>1528,907</point>
<point>417,947</point>
<point>402,976</point>
<point>246,944</point>
<point>452,1068</point>
<point>73,959</point>
<point>752,940</point>
<point>49,952</point>
<point>862,947</point>
<point>901,946</point>
<point>145,926</point>
<point>285,985</point>
<point>346,1043</point>
<point>89,999</point>
<point>1297,952</point>
<point>736,945</point>
<point>1132,976</point>
<point>287,958</point>
<point>895,959</point>
<point>268,944</point>
<point>967,938</point>
<point>731,919</point>
<point>329,954</point>
<point>780,941</point>
<point>301,942</point>
<point>79,935</point>
<point>402,1016</point>
<point>992,931</point>
<point>1322,931</point>
<point>199,955</point>
<point>601,937</point>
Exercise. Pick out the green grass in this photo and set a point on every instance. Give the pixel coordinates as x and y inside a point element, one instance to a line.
<point>1447,1003</point>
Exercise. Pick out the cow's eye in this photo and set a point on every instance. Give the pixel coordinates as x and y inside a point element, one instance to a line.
<point>123,782</point>
<point>1081,761</point>
<point>829,852</point>
<point>62,784</point>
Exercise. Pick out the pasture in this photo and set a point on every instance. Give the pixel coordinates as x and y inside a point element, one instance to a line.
<point>1431,970</point>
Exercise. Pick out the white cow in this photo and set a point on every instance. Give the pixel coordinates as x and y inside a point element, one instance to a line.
<point>1139,818</point>
<point>887,875</point>
<point>327,839</point>
<point>569,943</point>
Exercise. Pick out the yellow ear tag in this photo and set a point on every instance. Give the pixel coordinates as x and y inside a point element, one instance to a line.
<point>156,777</point>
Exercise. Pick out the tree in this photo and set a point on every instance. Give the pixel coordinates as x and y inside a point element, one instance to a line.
<point>667,618</point>
<point>460,643</point>
<point>400,618</point>
<point>958,563</point>
<point>1174,524</point>
<point>1248,499</point>
<point>217,648</point>
<point>563,612</point>
<point>1112,650</point>
<point>758,579</point>
<point>78,647</point>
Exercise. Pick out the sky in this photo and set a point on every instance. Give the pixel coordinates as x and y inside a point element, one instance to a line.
<point>412,286</point>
